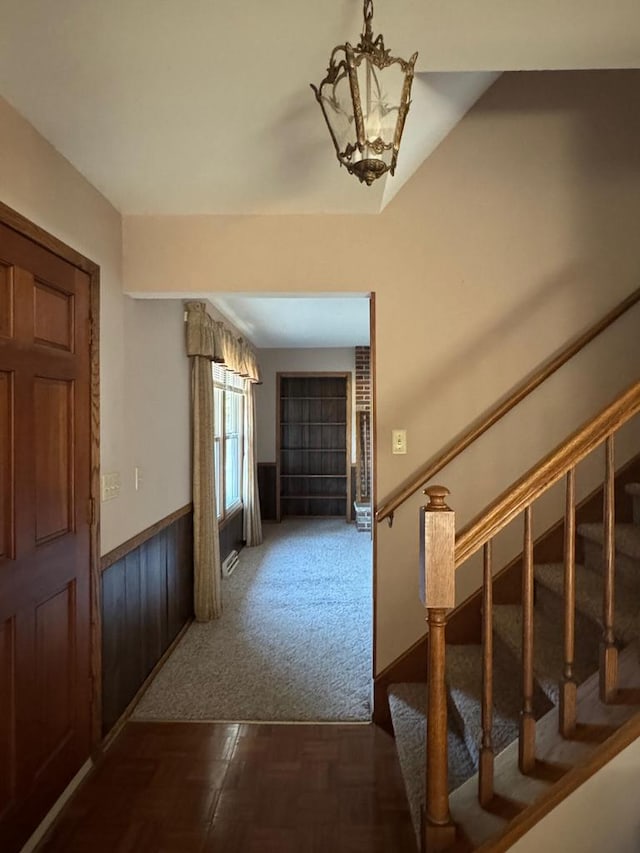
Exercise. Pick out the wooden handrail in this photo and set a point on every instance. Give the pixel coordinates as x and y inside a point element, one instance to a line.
<point>543,475</point>
<point>481,425</point>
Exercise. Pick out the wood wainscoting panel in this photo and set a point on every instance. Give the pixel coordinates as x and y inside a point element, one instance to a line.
<point>267,479</point>
<point>156,603</point>
<point>147,597</point>
<point>135,621</point>
<point>114,644</point>
<point>232,535</point>
<point>185,549</point>
<point>175,619</point>
<point>179,581</point>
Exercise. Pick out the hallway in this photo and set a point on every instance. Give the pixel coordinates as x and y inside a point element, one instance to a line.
<point>231,788</point>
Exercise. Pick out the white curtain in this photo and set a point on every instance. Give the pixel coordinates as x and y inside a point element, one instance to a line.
<point>251,499</point>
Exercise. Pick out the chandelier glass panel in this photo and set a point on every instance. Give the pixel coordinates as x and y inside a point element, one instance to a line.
<point>365,98</point>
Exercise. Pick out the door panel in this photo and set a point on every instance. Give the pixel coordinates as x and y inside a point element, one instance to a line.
<point>6,301</point>
<point>6,455</point>
<point>7,716</point>
<point>53,424</point>
<point>55,652</point>
<point>45,609</point>
<point>52,316</point>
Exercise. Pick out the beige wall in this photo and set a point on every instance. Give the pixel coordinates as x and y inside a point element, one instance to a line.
<point>517,233</point>
<point>601,815</point>
<point>144,372</point>
<point>273,361</point>
<point>157,420</point>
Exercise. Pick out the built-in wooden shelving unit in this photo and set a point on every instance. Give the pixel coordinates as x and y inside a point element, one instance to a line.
<point>314,446</point>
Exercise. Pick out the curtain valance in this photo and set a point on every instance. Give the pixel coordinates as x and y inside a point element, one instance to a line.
<point>211,339</point>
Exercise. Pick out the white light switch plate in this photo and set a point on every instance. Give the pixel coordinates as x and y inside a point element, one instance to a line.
<point>399,441</point>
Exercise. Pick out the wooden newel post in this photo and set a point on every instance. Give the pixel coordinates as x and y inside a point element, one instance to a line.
<point>437,582</point>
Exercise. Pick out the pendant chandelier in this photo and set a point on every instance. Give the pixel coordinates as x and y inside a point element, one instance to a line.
<point>365,98</point>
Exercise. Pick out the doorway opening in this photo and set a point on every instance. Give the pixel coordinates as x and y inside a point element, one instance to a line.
<point>295,640</point>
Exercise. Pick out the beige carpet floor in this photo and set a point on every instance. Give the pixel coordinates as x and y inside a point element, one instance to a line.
<point>294,642</point>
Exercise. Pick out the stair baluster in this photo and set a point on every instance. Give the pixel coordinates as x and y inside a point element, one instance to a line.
<point>527,740</point>
<point>493,820</point>
<point>485,776</point>
<point>569,686</point>
<point>438,570</point>
<point>609,656</point>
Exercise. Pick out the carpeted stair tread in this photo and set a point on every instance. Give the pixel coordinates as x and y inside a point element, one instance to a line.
<point>589,599</point>
<point>548,647</point>
<point>480,826</point>
<point>408,703</point>
<point>464,679</point>
<point>633,489</point>
<point>626,536</point>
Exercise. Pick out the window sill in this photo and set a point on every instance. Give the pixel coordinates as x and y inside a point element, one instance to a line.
<point>229,516</point>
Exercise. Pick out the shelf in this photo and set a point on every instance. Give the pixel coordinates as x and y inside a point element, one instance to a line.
<point>313,449</point>
<point>314,515</point>
<point>312,476</point>
<point>313,418</point>
<point>313,497</point>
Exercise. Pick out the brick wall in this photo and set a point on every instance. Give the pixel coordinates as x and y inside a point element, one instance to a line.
<point>363,379</point>
<point>363,424</point>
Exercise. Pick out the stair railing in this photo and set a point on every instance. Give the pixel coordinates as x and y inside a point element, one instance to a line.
<point>440,557</point>
<point>434,465</point>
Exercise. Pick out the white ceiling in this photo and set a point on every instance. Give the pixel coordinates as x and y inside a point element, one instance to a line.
<point>200,106</point>
<point>291,321</point>
<point>297,320</point>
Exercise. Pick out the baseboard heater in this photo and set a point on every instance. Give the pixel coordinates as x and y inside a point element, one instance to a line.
<point>230,563</point>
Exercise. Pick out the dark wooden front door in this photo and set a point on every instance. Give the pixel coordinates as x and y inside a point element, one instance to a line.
<point>45,696</point>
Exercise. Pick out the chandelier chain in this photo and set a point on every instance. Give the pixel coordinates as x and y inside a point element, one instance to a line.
<point>368,18</point>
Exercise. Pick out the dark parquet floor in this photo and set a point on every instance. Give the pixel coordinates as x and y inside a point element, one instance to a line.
<point>237,788</point>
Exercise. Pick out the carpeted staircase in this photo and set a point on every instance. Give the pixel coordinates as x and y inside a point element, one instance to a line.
<point>464,662</point>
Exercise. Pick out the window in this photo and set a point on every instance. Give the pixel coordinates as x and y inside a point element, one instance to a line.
<point>228,406</point>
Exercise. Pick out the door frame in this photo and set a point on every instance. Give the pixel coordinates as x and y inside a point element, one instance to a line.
<point>374,489</point>
<point>23,226</point>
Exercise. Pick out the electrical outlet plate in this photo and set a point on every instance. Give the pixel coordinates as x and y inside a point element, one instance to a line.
<point>137,477</point>
<point>110,486</point>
